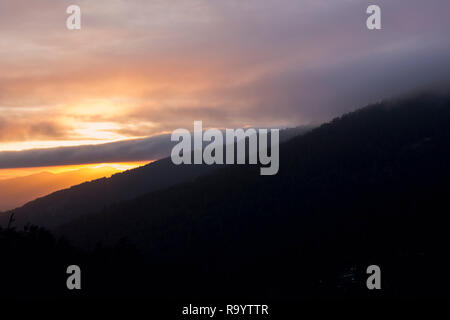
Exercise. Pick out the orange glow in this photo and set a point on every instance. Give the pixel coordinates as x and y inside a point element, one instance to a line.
<point>98,167</point>
<point>20,186</point>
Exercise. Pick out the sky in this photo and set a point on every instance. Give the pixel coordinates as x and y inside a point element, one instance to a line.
<point>139,69</point>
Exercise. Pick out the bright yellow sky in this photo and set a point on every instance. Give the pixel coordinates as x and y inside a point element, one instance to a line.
<point>20,172</point>
<point>18,186</point>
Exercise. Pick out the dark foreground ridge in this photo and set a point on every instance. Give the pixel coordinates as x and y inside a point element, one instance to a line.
<point>370,187</point>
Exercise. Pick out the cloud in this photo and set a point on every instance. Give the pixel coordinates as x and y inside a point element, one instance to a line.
<point>146,67</point>
<point>134,150</point>
<point>23,130</point>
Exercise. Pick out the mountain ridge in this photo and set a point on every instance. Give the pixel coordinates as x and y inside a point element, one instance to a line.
<point>64,205</point>
<point>368,188</point>
<point>382,147</point>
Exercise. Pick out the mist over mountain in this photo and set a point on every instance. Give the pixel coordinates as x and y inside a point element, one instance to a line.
<point>65,205</point>
<point>370,187</point>
<point>353,204</point>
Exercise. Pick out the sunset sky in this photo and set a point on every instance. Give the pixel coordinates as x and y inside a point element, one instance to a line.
<point>142,68</point>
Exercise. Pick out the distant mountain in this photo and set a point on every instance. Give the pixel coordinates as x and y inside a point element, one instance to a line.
<point>16,192</point>
<point>370,187</point>
<point>65,205</point>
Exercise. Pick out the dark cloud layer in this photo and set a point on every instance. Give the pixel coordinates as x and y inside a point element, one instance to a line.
<point>134,150</point>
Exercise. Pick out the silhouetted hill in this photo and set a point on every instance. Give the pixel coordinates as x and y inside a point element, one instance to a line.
<point>89,197</point>
<point>370,187</point>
